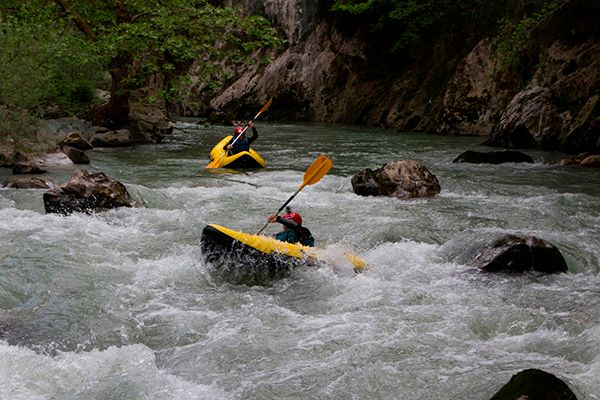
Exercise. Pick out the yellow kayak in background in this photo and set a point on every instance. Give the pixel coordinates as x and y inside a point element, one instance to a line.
<point>244,160</point>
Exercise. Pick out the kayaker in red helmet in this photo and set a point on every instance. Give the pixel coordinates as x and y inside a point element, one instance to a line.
<point>293,231</point>
<point>242,143</point>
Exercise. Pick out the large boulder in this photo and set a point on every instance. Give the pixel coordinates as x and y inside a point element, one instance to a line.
<point>28,167</point>
<point>118,138</point>
<point>76,141</point>
<point>76,155</point>
<point>52,131</point>
<point>402,179</point>
<point>87,192</point>
<point>148,123</point>
<point>519,254</point>
<point>534,384</point>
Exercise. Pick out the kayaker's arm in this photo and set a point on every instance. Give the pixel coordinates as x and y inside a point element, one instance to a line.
<point>303,232</point>
<point>254,135</point>
<point>288,223</point>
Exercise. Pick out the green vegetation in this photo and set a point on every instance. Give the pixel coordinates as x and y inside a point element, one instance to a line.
<point>40,70</point>
<point>513,37</point>
<point>406,23</point>
<point>53,53</point>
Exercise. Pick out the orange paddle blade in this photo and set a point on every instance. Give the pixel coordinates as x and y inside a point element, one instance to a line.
<point>317,170</point>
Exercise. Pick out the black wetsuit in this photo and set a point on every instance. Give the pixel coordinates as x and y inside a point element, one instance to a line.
<point>242,144</point>
<point>295,233</point>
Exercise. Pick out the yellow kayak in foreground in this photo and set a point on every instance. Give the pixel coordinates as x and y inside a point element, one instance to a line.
<point>244,159</point>
<point>256,258</point>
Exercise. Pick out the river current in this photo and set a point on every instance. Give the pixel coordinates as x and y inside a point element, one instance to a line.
<point>121,304</point>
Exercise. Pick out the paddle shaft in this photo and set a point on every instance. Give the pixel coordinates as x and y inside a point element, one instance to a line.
<point>282,207</point>
<point>313,174</point>
<point>213,164</point>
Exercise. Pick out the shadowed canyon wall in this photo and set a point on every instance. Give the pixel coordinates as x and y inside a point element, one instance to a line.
<point>333,69</point>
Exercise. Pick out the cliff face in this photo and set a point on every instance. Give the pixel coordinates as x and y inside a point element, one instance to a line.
<point>329,71</point>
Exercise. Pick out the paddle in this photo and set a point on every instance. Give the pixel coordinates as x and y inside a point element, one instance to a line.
<point>215,163</point>
<point>313,174</point>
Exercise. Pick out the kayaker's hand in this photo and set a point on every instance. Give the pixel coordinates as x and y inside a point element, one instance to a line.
<point>229,147</point>
<point>272,218</point>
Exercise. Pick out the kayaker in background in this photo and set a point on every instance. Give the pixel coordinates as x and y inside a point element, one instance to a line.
<point>293,231</point>
<point>243,143</point>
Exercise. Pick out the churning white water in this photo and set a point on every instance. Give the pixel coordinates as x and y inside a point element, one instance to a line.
<point>121,305</point>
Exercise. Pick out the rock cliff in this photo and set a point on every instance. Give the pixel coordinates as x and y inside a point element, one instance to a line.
<point>330,70</point>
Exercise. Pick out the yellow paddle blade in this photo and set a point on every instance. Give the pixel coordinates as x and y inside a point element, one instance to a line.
<point>262,110</point>
<point>317,170</point>
<point>215,163</point>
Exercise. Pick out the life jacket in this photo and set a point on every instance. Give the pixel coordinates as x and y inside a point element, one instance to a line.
<point>292,236</point>
<point>240,145</point>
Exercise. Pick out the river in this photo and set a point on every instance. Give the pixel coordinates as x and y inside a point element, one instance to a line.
<point>121,305</point>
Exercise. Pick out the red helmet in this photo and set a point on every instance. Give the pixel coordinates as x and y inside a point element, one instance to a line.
<point>294,217</point>
<point>238,130</point>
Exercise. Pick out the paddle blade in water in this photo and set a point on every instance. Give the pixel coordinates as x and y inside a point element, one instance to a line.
<point>215,163</point>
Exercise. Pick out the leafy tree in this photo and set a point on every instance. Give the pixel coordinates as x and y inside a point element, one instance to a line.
<point>136,39</point>
<point>406,23</point>
<point>42,63</point>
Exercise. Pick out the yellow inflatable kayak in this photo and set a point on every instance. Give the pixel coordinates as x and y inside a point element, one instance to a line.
<point>256,258</point>
<point>244,159</point>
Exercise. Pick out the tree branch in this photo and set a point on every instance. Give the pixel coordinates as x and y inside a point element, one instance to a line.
<point>79,22</point>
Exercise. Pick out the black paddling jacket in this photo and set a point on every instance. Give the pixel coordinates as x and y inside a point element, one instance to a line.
<point>295,233</point>
<point>242,144</point>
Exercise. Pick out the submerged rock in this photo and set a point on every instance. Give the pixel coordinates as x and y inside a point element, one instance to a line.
<point>494,157</point>
<point>402,179</point>
<point>534,384</point>
<point>29,182</point>
<point>87,192</point>
<point>520,254</point>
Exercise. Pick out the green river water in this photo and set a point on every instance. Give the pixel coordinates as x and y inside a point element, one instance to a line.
<point>121,304</point>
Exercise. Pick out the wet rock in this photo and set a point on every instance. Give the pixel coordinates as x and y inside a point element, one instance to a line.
<point>76,155</point>
<point>87,192</point>
<point>52,131</point>
<point>493,157</point>
<point>584,159</point>
<point>402,179</point>
<point>27,168</point>
<point>534,384</point>
<point>9,157</point>
<point>519,254</point>
<point>119,138</point>
<point>5,322</point>
<point>577,159</point>
<point>76,141</point>
<point>29,182</point>
<point>591,161</point>
<point>149,123</point>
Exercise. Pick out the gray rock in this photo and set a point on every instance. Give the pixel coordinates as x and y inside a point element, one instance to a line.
<point>519,254</point>
<point>493,157</point>
<point>87,192</point>
<point>534,384</point>
<point>402,179</point>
